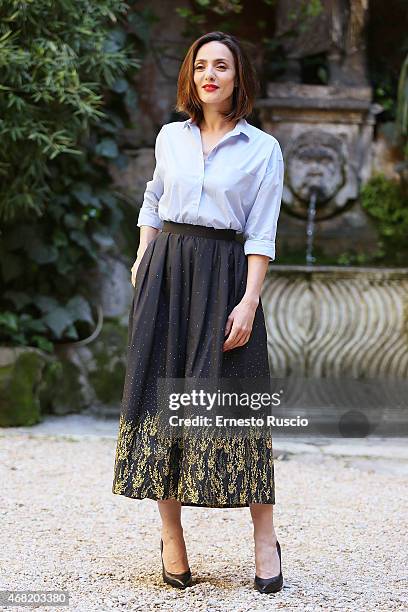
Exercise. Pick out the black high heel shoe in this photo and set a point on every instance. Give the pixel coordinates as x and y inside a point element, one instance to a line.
<point>180,581</point>
<point>270,585</point>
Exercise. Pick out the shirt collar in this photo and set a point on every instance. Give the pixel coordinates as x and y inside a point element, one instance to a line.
<point>242,126</point>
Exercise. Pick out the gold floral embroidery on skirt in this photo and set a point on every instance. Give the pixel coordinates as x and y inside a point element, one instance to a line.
<point>205,471</point>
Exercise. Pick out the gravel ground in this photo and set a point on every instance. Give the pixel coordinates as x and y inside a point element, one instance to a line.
<point>339,519</point>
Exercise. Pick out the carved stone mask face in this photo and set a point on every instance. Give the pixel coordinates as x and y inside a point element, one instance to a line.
<point>315,166</point>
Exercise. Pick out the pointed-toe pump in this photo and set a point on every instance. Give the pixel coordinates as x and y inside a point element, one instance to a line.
<point>270,585</point>
<point>180,581</point>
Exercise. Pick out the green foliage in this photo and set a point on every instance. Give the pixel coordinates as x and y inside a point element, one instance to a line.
<point>44,261</point>
<point>386,202</point>
<point>62,62</point>
<point>384,94</point>
<point>54,57</point>
<point>350,258</point>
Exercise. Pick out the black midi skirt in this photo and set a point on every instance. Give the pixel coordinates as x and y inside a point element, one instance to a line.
<point>188,281</point>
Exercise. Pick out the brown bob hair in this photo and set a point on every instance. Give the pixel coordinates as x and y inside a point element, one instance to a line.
<point>245,92</point>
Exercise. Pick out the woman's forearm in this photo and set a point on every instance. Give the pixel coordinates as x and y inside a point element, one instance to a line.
<point>257,267</point>
<point>147,233</point>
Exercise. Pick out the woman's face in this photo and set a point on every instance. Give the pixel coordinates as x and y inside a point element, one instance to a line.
<point>214,65</point>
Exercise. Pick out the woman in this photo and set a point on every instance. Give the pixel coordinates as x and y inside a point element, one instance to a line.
<point>196,310</point>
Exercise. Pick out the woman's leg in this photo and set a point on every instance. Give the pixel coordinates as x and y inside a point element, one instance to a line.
<point>174,548</point>
<point>266,555</point>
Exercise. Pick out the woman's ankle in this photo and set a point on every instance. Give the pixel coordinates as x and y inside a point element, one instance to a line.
<point>172,533</point>
<point>265,537</point>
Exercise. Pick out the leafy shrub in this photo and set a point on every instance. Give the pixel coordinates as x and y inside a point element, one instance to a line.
<point>386,202</point>
<point>55,57</point>
<point>58,58</point>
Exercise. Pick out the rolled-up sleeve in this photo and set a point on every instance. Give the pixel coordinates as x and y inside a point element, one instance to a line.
<point>148,214</point>
<point>261,224</point>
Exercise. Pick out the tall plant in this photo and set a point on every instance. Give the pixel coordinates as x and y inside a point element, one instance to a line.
<point>55,57</point>
<point>57,206</point>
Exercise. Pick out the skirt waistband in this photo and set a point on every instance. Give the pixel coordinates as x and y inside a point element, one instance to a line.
<point>198,230</point>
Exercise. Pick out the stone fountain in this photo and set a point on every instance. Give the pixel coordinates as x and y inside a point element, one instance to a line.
<point>330,321</point>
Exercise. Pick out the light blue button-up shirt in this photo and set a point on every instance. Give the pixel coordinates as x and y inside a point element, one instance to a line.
<point>238,186</point>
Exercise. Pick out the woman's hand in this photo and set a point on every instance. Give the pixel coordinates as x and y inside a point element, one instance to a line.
<point>147,234</point>
<point>134,269</point>
<point>240,323</point>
